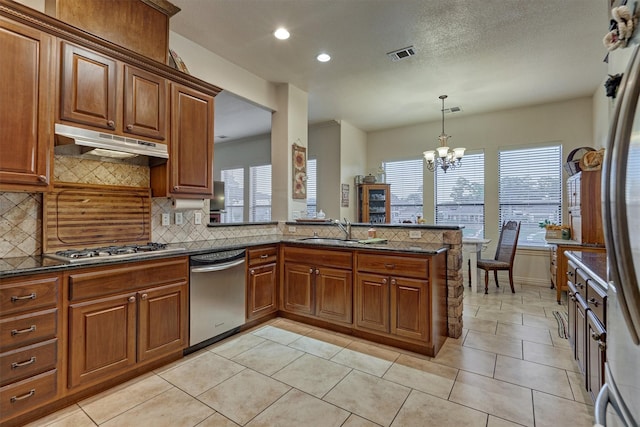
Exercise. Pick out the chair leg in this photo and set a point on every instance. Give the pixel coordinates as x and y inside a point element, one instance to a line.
<point>469,262</point>
<point>511,281</point>
<point>495,276</point>
<point>486,282</point>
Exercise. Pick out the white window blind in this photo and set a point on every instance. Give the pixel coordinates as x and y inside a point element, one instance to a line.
<point>405,178</point>
<point>459,195</point>
<point>233,194</point>
<point>312,200</point>
<point>530,189</point>
<point>260,193</point>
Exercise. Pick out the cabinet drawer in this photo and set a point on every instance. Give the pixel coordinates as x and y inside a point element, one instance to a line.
<point>25,395</point>
<point>27,361</point>
<point>323,257</point>
<point>28,293</point>
<point>259,256</point>
<point>27,329</point>
<point>596,297</point>
<point>393,265</point>
<point>106,281</point>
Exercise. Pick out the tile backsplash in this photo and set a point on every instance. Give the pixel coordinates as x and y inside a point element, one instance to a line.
<point>20,224</point>
<point>86,171</point>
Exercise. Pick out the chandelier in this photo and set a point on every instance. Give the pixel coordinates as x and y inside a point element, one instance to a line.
<point>442,156</point>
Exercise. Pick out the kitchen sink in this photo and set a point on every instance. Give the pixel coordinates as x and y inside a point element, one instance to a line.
<point>328,241</point>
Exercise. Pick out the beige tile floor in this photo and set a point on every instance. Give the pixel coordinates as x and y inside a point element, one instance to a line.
<point>508,368</point>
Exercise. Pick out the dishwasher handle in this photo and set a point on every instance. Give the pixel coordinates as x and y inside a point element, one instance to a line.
<point>217,267</point>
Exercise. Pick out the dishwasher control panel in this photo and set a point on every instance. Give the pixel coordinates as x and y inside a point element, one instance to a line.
<point>217,257</point>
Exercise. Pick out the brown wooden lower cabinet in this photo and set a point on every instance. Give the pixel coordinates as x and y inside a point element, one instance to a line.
<point>323,289</point>
<point>401,297</point>
<point>112,334</point>
<point>394,305</point>
<point>587,332</point>
<point>262,281</point>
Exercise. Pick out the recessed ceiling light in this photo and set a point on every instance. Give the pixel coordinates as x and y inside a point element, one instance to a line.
<point>281,34</point>
<point>323,57</point>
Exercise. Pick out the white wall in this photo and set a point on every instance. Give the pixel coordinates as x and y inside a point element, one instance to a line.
<point>353,155</point>
<point>568,122</point>
<point>324,146</point>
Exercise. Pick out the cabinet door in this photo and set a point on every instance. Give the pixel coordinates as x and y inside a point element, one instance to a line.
<point>372,302</point>
<point>571,314</point>
<point>191,157</point>
<point>410,308</point>
<point>26,109</point>
<point>334,299</point>
<point>102,338</point>
<point>297,289</point>
<point>374,203</point>
<point>162,322</point>
<point>581,333</point>
<point>145,104</point>
<point>596,345</point>
<point>88,89</point>
<point>261,291</point>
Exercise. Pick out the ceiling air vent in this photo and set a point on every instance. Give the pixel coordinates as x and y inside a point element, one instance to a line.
<point>403,53</point>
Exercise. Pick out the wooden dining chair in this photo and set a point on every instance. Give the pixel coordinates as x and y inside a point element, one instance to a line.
<point>505,253</point>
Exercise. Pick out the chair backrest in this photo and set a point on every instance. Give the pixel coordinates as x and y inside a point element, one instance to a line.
<point>506,250</point>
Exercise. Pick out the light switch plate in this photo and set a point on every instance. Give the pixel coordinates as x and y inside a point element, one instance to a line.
<point>197,218</point>
<point>179,218</point>
<point>166,219</point>
<point>415,234</point>
<point>292,229</point>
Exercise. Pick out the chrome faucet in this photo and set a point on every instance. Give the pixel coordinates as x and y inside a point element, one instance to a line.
<point>346,228</point>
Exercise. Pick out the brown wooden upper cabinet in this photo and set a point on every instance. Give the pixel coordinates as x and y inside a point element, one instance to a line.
<point>26,111</point>
<point>90,94</point>
<point>189,171</point>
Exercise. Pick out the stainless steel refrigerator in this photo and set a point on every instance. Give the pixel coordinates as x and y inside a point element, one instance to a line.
<point>618,402</point>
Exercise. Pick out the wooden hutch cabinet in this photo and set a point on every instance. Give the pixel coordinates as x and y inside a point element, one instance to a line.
<point>374,203</point>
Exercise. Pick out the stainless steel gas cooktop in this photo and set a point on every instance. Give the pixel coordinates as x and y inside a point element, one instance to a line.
<point>110,252</point>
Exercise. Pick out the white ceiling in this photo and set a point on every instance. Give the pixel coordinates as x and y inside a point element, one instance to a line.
<point>487,55</point>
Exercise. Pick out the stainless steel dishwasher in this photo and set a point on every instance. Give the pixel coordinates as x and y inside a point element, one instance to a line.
<point>217,296</point>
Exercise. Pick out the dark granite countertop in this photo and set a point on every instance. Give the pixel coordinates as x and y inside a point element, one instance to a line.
<point>40,264</point>
<point>594,263</point>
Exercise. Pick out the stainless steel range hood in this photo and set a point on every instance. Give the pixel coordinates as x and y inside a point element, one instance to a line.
<point>116,145</point>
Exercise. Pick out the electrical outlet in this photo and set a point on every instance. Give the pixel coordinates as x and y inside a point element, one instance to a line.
<point>197,218</point>
<point>179,218</point>
<point>292,229</point>
<point>166,219</point>
<point>415,234</point>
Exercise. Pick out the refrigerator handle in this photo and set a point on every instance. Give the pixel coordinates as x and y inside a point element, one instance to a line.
<point>600,409</point>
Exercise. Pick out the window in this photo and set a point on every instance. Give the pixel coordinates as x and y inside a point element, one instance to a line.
<point>260,193</point>
<point>312,200</point>
<point>233,195</point>
<point>405,178</point>
<point>530,189</point>
<point>459,195</point>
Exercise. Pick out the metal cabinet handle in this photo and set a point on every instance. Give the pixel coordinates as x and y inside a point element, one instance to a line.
<point>15,298</point>
<point>129,127</point>
<point>393,281</point>
<point>15,365</point>
<point>176,188</point>
<point>384,281</point>
<point>43,178</point>
<point>579,285</point>
<point>317,271</point>
<point>390,266</point>
<point>144,296</point>
<point>265,256</point>
<point>252,272</point>
<point>24,396</point>
<point>32,328</point>
<point>570,273</point>
<point>593,301</point>
<point>132,299</point>
<point>111,124</point>
<point>311,270</point>
<point>598,338</point>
